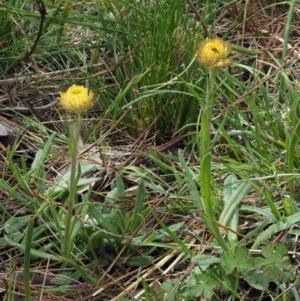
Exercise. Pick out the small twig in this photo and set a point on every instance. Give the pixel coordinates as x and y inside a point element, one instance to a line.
<point>122,61</point>
<point>42,11</point>
<point>194,9</point>
<point>241,98</point>
<point>103,254</point>
<point>27,109</point>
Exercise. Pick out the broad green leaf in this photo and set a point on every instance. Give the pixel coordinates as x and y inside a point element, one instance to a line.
<point>203,261</point>
<point>290,206</point>
<point>256,279</point>
<point>15,224</point>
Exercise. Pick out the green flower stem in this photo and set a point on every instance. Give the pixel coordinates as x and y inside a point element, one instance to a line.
<point>207,113</point>
<point>28,245</point>
<point>205,167</point>
<point>73,152</point>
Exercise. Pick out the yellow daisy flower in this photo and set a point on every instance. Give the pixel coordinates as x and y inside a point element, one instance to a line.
<point>77,99</point>
<point>213,53</point>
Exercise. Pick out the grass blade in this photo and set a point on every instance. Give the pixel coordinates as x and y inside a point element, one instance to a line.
<point>138,207</point>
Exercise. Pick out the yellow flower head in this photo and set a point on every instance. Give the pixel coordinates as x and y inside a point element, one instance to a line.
<point>77,99</point>
<point>213,53</point>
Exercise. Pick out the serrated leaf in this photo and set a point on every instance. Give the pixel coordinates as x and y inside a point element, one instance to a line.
<point>205,286</point>
<point>228,263</point>
<point>240,261</point>
<point>287,276</point>
<point>274,262</point>
<point>276,256</point>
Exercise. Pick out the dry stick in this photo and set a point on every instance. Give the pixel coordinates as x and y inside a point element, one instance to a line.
<point>38,78</point>
<point>122,61</point>
<point>27,109</point>
<point>42,11</point>
<point>148,272</point>
<point>246,294</point>
<point>115,125</point>
<point>194,9</point>
<point>240,99</point>
<point>159,148</point>
<point>44,280</point>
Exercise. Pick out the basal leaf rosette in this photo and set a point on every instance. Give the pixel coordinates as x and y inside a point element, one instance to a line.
<point>77,99</point>
<point>213,53</point>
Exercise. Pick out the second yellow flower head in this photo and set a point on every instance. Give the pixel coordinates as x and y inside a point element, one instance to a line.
<point>77,99</point>
<point>213,53</point>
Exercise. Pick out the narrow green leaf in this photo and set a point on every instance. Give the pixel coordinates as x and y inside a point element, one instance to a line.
<point>279,226</point>
<point>266,213</point>
<point>34,252</point>
<point>139,261</point>
<point>191,183</point>
<point>138,207</point>
<point>41,156</point>
<point>120,187</point>
<point>19,177</point>
<point>102,220</point>
<point>27,258</point>
<point>291,156</point>
<point>234,202</point>
<point>205,184</point>
<point>174,236</point>
<point>230,185</point>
